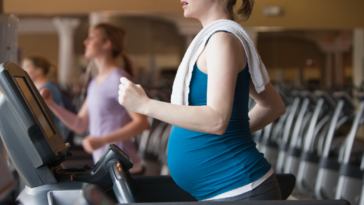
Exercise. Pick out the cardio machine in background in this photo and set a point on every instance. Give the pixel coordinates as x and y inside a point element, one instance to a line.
<point>328,171</point>
<point>271,134</point>
<point>284,140</point>
<point>37,150</point>
<point>351,172</point>
<point>317,129</point>
<point>301,123</point>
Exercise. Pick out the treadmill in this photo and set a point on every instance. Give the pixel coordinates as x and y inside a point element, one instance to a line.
<point>284,141</point>
<point>36,148</point>
<point>328,173</point>
<point>309,160</point>
<point>269,144</point>
<point>350,174</point>
<point>302,122</point>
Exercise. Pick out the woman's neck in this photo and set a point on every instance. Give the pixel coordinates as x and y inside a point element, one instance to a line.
<point>216,12</point>
<point>40,81</point>
<point>105,65</point>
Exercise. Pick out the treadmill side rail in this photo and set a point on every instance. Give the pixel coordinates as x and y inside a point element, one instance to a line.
<point>121,187</point>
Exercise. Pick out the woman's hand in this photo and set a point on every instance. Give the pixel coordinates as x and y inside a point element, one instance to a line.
<point>91,143</point>
<point>47,96</point>
<point>132,96</point>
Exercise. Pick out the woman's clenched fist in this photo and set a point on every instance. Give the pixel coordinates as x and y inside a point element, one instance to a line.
<point>132,96</point>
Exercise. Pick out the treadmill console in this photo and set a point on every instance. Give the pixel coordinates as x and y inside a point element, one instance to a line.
<point>340,95</point>
<point>27,127</point>
<point>324,95</point>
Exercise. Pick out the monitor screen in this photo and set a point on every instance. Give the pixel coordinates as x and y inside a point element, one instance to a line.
<point>33,103</point>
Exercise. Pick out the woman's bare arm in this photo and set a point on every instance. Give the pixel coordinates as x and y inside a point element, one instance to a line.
<point>78,123</point>
<point>223,59</point>
<point>269,107</point>
<point>137,125</point>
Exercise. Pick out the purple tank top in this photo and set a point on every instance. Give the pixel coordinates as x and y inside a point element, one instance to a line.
<point>106,115</point>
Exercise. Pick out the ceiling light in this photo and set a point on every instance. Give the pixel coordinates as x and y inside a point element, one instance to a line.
<point>272,11</point>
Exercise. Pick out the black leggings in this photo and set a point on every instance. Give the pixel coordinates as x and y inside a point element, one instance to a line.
<point>268,190</point>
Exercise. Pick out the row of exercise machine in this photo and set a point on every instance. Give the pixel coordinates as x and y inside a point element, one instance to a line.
<point>36,150</point>
<point>316,140</point>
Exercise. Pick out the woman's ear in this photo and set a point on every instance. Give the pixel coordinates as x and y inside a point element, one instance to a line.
<point>37,71</point>
<point>107,45</point>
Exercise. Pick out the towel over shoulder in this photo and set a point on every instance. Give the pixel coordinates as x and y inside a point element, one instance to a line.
<point>182,80</point>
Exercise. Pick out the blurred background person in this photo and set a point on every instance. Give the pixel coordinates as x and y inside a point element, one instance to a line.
<point>108,122</point>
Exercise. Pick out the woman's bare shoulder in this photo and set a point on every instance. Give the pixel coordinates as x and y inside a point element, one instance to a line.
<point>222,41</point>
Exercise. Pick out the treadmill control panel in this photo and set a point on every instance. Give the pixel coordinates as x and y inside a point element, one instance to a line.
<point>35,107</point>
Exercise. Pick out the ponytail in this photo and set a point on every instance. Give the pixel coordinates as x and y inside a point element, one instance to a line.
<point>128,65</point>
<point>116,36</point>
<point>244,12</point>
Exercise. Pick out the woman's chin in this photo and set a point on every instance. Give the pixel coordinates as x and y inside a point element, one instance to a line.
<point>87,56</point>
<point>187,15</point>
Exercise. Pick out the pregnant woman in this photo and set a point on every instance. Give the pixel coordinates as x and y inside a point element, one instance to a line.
<point>211,153</point>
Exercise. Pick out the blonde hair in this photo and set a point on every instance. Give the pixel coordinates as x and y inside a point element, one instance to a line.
<point>116,36</point>
<point>244,12</point>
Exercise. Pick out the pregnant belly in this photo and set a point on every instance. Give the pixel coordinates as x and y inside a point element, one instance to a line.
<point>202,163</point>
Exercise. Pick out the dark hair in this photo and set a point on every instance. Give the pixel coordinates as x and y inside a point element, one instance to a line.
<point>244,12</point>
<point>116,36</point>
<point>41,63</point>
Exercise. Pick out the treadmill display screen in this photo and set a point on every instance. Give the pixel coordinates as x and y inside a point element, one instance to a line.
<point>28,94</point>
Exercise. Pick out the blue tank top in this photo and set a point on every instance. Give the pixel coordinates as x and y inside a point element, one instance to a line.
<point>206,165</point>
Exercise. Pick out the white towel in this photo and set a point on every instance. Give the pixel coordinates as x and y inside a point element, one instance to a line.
<point>258,72</point>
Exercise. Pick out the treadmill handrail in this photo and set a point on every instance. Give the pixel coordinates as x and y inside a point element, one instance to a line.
<point>332,128</point>
<point>267,131</point>
<point>344,96</point>
<point>298,123</point>
<point>121,187</point>
<point>313,123</point>
<point>321,138</point>
<point>278,127</point>
<point>319,127</point>
<point>352,134</point>
<point>326,97</point>
<point>287,128</point>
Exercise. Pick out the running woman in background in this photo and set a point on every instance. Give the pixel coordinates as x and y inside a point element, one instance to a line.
<point>107,120</point>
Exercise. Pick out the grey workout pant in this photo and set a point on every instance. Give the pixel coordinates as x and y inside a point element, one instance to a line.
<point>268,190</point>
